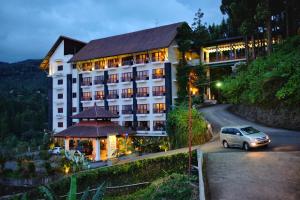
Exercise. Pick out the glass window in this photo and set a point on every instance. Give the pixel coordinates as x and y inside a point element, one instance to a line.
<point>60,124</point>
<point>158,56</point>
<point>99,79</point>
<point>159,108</point>
<point>126,76</point>
<point>159,125</point>
<point>73,80</point>
<point>142,92</point>
<point>142,58</point>
<point>74,109</point>
<point>113,78</point>
<point>60,96</point>
<point>127,93</point>
<point>142,109</point>
<point>86,81</point>
<point>60,81</point>
<point>158,73</point>
<point>86,96</point>
<point>114,109</point>
<point>100,64</point>
<point>142,75</point>
<point>60,110</point>
<point>127,60</point>
<point>158,91</point>
<point>99,95</point>
<point>74,95</point>
<point>113,94</point>
<point>113,62</point>
<point>127,109</point>
<point>143,126</point>
<point>60,67</point>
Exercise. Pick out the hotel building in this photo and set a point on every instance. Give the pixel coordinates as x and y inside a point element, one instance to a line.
<point>132,75</point>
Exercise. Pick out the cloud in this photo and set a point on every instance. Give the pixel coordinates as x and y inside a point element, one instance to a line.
<point>29,28</point>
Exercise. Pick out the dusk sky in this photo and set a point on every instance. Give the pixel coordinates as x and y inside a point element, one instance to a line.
<point>29,28</point>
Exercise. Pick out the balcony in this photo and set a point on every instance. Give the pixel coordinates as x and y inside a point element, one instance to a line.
<point>158,59</point>
<point>143,77</point>
<point>158,93</point>
<point>98,67</point>
<point>112,81</point>
<point>112,96</point>
<point>99,97</point>
<point>142,94</point>
<point>127,62</point>
<point>156,110</point>
<point>113,65</point>
<point>126,79</point>
<point>127,95</point>
<point>158,76</point>
<point>143,128</point>
<point>142,111</point>
<point>86,83</point>
<point>87,98</point>
<point>141,61</point>
<point>99,81</point>
<point>126,112</point>
<point>159,128</point>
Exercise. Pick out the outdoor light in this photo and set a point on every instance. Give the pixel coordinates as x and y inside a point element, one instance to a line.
<point>218,84</point>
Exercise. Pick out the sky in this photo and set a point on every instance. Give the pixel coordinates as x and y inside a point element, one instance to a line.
<point>28,28</point>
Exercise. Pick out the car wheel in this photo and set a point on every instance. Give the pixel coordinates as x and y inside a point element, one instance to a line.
<point>225,144</point>
<point>246,146</point>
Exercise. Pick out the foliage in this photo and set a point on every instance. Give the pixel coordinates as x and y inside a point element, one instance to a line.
<point>47,193</point>
<point>74,161</point>
<point>3,160</point>
<point>49,169</point>
<point>44,155</point>
<point>73,188</point>
<point>172,187</point>
<point>177,127</point>
<point>271,80</point>
<point>150,144</point>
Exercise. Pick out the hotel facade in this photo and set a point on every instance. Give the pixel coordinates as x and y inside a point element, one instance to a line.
<point>132,75</point>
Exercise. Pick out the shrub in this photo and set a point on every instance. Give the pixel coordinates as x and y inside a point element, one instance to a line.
<point>31,168</point>
<point>49,169</point>
<point>151,144</point>
<point>177,127</point>
<point>44,155</point>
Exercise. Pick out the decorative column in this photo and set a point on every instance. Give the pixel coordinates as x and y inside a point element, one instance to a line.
<point>96,149</point>
<point>67,142</point>
<point>208,93</point>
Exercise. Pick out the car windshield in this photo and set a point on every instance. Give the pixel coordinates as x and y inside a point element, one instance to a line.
<point>250,130</point>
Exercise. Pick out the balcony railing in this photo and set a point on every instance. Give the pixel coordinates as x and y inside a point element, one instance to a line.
<point>156,76</point>
<point>142,77</point>
<point>86,83</point>
<point>113,65</point>
<point>126,79</point>
<point>158,93</point>
<point>159,128</point>
<point>98,81</point>
<point>127,95</point>
<point>87,98</point>
<point>127,62</point>
<point>112,96</point>
<point>142,94</point>
<point>156,110</point>
<point>158,59</point>
<point>99,97</point>
<point>99,67</point>
<point>143,128</point>
<point>126,112</point>
<point>142,111</point>
<point>112,81</point>
<point>141,61</point>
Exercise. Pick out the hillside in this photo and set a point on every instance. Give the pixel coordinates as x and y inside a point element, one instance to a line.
<point>23,102</point>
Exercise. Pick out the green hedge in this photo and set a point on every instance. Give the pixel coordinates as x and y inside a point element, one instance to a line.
<point>129,173</point>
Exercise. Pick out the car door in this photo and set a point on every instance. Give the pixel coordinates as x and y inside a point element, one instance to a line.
<point>228,136</point>
<point>236,137</point>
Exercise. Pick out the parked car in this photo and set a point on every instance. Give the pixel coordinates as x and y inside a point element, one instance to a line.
<point>55,150</point>
<point>245,137</point>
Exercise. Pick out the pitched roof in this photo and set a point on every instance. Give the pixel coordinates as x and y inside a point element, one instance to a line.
<point>144,40</point>
<point>72,46</point>
<point>95,112</point>
<point>94,131</point>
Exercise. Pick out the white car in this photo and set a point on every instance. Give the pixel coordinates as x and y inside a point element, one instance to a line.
<point>55,150</point>
<point>245,137</point>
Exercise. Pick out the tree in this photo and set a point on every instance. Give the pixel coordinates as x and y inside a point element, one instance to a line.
<point>184,40</point>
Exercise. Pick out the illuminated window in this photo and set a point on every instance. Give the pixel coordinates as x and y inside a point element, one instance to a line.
<point>113,78</point>
<point>142,92</point>
<point>86,96</point>
<point>159,108</point>
<point>127,93</point>
<point>142,108</point>
<point>158,73</point>
<point>158,91</point>
<point>99,95</point>
<point>142,75</point>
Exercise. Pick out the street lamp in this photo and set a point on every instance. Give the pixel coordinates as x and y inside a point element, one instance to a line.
<point>218,85</point>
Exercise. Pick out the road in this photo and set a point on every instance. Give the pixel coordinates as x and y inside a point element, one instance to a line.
<point>218,116</point>
<point>264,173</point>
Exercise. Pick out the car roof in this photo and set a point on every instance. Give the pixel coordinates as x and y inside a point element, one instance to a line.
<point>239,127</point>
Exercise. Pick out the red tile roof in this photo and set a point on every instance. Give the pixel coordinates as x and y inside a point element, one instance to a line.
<point>94,131</point>
<point>95,112</point>
<point>144,40</point>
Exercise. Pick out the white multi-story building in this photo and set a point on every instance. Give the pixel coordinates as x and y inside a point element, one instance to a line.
<point>132,75</point>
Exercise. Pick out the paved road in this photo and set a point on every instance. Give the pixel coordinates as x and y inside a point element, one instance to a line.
<point>265,173</point>
<point>282,139</point>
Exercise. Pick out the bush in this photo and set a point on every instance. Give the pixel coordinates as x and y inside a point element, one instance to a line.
<point>49,169</point>
<point>129,173</point>
<point>44,155</point>
<point>151,144</point>
<point>177,127</point>
<point>31,168</point>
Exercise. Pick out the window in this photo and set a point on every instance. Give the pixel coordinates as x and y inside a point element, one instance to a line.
<point>159,108</point>
<point>86,96</point>
<point>142,58</point>
<point>86,81</point>
<point>74,95</point>
<point>86,66</point>
<point>100,64</point>
<point>142,92</point>
<point>60,124</point>
<point>142,108</point>
<point>99,80</point>
<point>143,126</point>
<point>113,94</point>
<point>158,73</point>
<point>74,109</point>
<point>114,109</point>
<point>128,124</point>
<point>158,91</point>
<point>142,75</point>
<point>60,96</point>
<point>74,66</point>
<point>60,110</point>
<point>113,78</point>
<point>127,60</point>
<point>159,125</point>
<point>60,67</point>
<point>60,81</point>
<point>127,109</point>
<point>158,56</point>
<point>127,93</point>
<point>126,76</point>
<point>114,62</point>
<point>99,95</point>
<point>74,80</point>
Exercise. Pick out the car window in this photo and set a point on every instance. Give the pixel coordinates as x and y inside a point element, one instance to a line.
<point>225,130</point>
<point>250,130</point>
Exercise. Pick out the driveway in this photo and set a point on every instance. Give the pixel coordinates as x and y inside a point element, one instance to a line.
<point>265,173</point>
